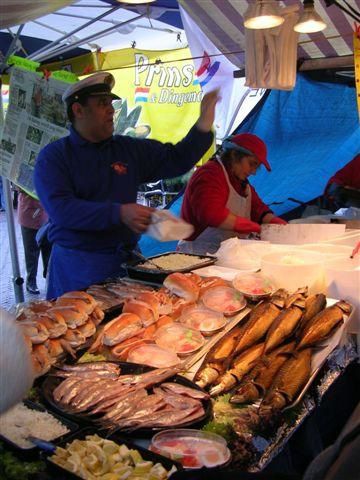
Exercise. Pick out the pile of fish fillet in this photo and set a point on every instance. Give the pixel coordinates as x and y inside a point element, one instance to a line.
<point>267,359</point>
<point>117,401</point>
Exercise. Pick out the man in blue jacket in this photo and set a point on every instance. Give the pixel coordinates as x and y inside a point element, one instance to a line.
<point>88,183</point>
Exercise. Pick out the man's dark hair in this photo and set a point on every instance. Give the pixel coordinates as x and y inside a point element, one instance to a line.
<point>69,111</point>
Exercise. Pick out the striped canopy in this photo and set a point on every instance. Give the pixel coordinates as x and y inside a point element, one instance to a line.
<point>222,21</point>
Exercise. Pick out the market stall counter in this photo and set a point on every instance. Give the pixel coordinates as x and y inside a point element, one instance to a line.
<point>92,382</point>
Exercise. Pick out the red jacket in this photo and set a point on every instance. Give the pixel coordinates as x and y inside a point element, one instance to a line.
<point>348,176</point>
<point>30,212</point>
<point>205,198</point>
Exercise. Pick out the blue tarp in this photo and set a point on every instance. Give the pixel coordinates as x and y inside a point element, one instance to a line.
<point>311,132</point>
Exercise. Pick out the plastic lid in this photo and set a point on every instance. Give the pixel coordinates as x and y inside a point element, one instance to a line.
<point>179,338</point>
<point>192,448</point>
<point>224,299</point>
<point>253,285</point>
<point>202,319</point>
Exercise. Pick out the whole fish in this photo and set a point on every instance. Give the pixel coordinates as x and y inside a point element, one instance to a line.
<point>209,374</point>
<point>218,359</point>
<point>261,319</point>
<point>289,380</point>
<point>262,375</point>
<point>283,326</point>
<point>185,391</point>
<point>313,305</point>
<point>323,324</point>
<point>93,366</point>
<point>297,298</point>
<point>279,297</point>
<point>239,367</point>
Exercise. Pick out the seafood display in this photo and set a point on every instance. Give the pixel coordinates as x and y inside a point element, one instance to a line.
<point>268,358</point>
<point>265,362</point>
<point>177,305</point>
<point>52,329</point>
<point>125,401</point>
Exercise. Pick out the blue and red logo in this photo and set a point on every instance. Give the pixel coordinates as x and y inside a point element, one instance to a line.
<point>206,71</point>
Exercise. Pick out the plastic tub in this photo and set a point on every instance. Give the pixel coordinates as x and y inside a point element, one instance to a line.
<point>225,300</point>
<point>330,251</point>
<point>298,234</point>
<point>203,319</point>
<point>253,286</point>
<point>295,268</point>
<point>343,281</point>
<point>350,238</point>
<point>192,448</point>
<point>179,338</point>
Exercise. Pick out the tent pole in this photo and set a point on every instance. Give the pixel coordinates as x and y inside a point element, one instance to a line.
<point>63,49</point>
<point>64,37</point>
<point>17,279</point>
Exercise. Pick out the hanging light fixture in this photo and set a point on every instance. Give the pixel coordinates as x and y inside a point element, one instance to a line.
<point>135,2</point>
<point>262,14</point>
<point>309,21</point>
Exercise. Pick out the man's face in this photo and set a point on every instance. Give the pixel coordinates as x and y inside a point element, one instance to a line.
<point>96,118</point>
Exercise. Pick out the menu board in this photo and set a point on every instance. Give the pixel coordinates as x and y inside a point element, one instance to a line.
<point>35,116</point>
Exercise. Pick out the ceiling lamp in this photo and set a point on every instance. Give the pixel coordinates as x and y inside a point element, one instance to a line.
<point>309,21</point>
<point>135,2</point>
<point>262,14</point>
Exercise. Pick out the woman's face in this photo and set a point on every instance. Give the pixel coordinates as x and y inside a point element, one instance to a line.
<point>243,166</point>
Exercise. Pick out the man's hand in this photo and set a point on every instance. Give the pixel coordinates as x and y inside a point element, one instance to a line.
<point>207,111</point>
<point>136,217</point>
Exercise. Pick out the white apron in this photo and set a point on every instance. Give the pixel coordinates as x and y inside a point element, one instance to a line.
<point>209,240</point>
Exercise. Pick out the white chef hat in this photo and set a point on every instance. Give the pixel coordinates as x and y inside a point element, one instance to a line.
<point>100,83</point>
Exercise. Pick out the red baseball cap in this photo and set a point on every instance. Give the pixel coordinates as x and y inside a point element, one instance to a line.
<point>250,144</point>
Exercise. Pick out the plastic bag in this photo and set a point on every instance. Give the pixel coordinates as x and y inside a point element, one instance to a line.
<point>166,227</point>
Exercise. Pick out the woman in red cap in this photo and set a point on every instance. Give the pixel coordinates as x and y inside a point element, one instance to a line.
<point>219,201</point>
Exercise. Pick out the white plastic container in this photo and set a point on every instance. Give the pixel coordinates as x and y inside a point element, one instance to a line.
<point>330,251</point>
<point>298,234</point>
<point>295,268</point>
<point>343,281</point>
<point>350,238</point>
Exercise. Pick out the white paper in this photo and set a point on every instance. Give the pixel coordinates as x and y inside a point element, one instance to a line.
<point>166,227</point>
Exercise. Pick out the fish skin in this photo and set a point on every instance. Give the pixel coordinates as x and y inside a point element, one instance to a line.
<point>262,375</point>
<point>218,359</point>
<point>63,387</point>
<point>226,345</point>
<point>289,380</point>
<point>261,319</point>
<point>185,391</point>
<point>283,326</point>
<point>93,366</point>
<point>313,305</point>
<point>279,297</point>
<point>272,364</point>
<point>239,367</point>
<point>321,326</point>
<point>209,374</point>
